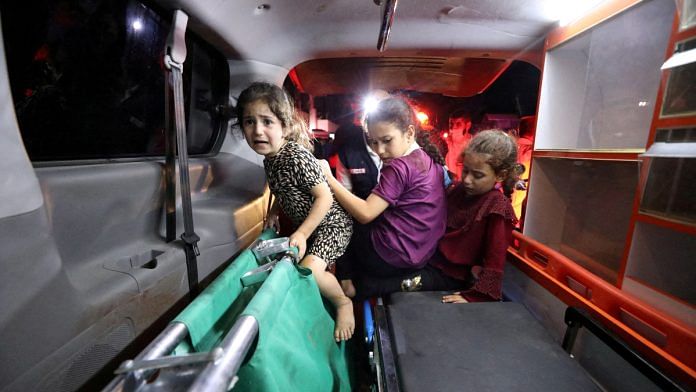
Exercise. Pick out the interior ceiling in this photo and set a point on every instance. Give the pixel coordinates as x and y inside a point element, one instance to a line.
<point>458,77</point>
<point>454,47</point>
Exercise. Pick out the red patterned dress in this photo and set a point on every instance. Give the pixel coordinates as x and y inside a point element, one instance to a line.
<point>479,230</point>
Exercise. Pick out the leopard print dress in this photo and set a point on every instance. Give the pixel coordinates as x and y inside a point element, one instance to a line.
<point>291,175</point>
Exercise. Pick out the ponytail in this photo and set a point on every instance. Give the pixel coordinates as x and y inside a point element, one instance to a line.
<point>512,176</point>
<point>423,140</point>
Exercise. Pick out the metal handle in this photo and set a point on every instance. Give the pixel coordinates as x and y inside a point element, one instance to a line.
<point>387,20</point>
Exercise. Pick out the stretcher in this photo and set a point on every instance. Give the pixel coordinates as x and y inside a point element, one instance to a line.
<point>423,344</point>
<point>260,326</point>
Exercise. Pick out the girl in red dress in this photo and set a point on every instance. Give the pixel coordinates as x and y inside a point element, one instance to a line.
<point>480,220</point>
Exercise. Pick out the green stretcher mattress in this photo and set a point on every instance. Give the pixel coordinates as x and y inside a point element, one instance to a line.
<point>294,349</point>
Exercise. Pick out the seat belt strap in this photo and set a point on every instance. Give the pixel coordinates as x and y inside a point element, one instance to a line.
<point>175,55</point>
<point>169,164</point>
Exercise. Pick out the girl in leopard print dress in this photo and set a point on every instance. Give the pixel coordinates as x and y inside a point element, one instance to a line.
<point>323,228</point>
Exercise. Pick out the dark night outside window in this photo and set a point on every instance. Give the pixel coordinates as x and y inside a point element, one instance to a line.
<point>88,82</point>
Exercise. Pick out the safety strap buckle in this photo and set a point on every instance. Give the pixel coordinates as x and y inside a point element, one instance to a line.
<point>191,240</point>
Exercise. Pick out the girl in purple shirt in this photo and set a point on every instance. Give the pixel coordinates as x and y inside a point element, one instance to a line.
<point>401,221</point>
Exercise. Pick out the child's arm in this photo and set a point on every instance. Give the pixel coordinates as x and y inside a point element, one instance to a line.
<point>489,276</point>
<point>320,207</point>
<point>343,176</point>
<point>272,220</point>
<point>364,211</point>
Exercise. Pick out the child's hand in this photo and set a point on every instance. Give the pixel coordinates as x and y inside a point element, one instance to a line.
<point>272,222</point>
<point>454,298</point>
<point>325,168</point>
<point>300,241</point>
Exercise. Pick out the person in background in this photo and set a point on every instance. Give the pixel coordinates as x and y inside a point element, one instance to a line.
<point>437,139</point>
<point>458,136</point>
<point>357,167</point>
<point>525,142</point>
<point>320,139</point>
<point>322,228</point>
<point>404,216</point>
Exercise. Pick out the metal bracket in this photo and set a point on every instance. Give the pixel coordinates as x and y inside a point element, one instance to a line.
<point>270,247</point>
<point>260,274</point>
<point>387,21</point>
<point>175,50</point>
<point>169,362</point>
<point>257,275</point>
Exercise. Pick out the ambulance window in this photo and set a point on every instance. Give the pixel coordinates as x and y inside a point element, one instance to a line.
<point>87,79</point>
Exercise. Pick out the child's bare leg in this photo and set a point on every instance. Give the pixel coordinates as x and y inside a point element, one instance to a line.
<point>329,288</point>
<point>348,288</point>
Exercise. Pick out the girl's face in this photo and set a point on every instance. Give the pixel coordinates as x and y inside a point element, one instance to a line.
<point>388,141</point>
<point>478,177</point>
<point>262,129</point>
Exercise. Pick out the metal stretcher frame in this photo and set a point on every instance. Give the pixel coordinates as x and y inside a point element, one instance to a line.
<point>218,374</point>
<point>386,358</point>
<point>222,363</point>
<point>387,377</point>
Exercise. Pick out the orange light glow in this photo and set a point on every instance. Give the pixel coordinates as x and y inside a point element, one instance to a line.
<point>422,117</point>
<point>444,135</point>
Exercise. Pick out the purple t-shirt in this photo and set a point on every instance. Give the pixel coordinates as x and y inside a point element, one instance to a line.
<point>407,232</point>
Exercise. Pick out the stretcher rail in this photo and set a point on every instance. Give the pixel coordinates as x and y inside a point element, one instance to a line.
<point>215,370</point>
<point>163,344</point>
<point>221,374</point>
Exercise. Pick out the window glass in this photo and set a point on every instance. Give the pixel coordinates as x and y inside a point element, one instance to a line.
<point>87,79</point>
<point>670,189</point>
<point>663,259</point>
<point>680,93</point>
<point>687,13</point>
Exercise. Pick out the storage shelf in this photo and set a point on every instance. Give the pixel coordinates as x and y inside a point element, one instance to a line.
<point>599,88</point>
<point>660,293</point>
<point>666,222</point>
<point>602,155</point>
<point>582,208</point>
<point>662,259</point>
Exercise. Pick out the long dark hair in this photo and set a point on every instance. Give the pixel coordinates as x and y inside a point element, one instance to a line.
<point>397,111</point>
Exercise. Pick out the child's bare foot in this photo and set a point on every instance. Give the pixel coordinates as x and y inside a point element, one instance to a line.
<point>345,321</point>
<point>348,288</point>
